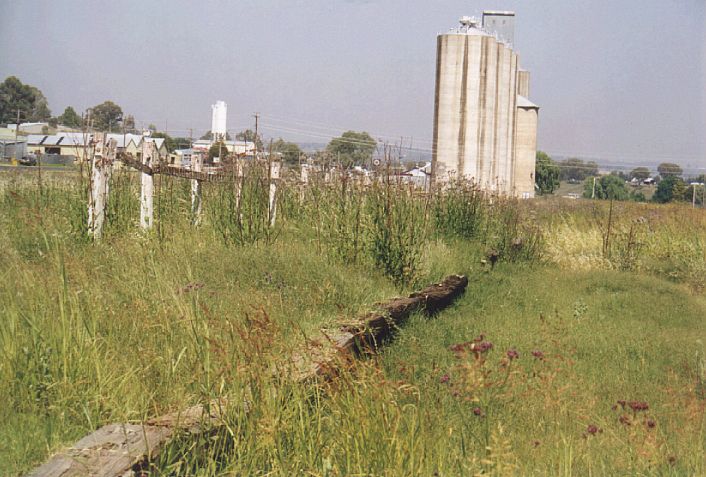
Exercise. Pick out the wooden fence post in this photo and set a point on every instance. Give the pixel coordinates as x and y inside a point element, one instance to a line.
<point>274,178</point>
<point>196,198</point>
<point>238,185</point>
<point>149,158</point>
<point>101,171</point>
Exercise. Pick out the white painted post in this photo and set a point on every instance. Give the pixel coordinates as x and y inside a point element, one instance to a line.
<point>110,153</point>
<point>274,178</point>
<point>196,163</point>
<point>101,171</point>
<point>149,158</point>
<point>96,182</point>
<point>304,181</point>
<point>239,177</point>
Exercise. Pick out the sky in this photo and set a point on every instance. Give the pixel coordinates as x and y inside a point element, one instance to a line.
<point>623,81</point>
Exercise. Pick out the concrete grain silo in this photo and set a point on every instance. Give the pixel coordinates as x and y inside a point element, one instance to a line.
<point>476,107</point>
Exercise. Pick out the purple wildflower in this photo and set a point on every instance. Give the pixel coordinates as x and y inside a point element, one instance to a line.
<point>512,354</point>
<point>638,406</point>
<point>592,429</point>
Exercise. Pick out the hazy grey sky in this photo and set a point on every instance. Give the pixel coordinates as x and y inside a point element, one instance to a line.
<point>624,80</point>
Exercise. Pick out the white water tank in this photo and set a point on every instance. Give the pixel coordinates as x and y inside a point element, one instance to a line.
<point>218,119</point>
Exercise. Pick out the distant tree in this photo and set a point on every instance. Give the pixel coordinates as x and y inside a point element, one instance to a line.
<point>209,135</point>
<point>181,142</point>
<point>671,188</point>
<point>622,175</point>
<point>129,125</point>
<point>637,196</point>
<point>546,174</point>
<point>669,169</point>
<point>169,141</point>
<point>695,193</point>
<point>53,122</point>
<point>577,169</point>
<point>352,148</point>
<point>152,128</point>
<point>250,136</point>
<point>40,111</point>
<point>640,173</point>
<point>217,149</point>
<point>107,116</point>
<point>29,100</point>
<point>607,187</point>
<point>70,118</point>
<point>289,150</point>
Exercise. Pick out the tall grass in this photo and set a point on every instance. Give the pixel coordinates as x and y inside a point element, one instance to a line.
<point>139,325</point>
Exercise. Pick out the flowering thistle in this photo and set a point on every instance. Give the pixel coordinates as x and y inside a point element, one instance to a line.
<point>538,354</point>
<point>593,429</point>
<point>638,406</point>
<point>481,347</point>
<point>444,379</point>
<point>512,354</point>
<point>478,346</point>
<point>651,424</point>
<point>624,420</point>
<point>477,412</point>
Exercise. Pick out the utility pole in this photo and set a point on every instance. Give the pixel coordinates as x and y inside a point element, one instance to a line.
<point>693,196</point>
<point>257,117</point>
<point>593,193</point>
<point>17,128</point>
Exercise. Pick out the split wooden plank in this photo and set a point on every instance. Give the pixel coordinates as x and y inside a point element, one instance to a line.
<point>371,331</point>
<point>121,450</point>
<point>111,451</point>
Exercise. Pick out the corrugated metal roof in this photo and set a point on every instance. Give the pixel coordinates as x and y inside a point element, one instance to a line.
<point>523,102</point>
<point>156,140</point>
<point>123,140</point>
<point>36,139</point>
<point>74,139</point>
<point>53,140</point>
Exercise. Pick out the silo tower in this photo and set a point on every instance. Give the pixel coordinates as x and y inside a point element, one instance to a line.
<point>218,121</point>
<point>476,107</point>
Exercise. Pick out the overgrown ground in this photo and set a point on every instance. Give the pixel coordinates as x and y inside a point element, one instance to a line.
<point>604,311</point>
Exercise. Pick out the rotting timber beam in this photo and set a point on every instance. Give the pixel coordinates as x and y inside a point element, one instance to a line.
<point>122,450</point>
<point>371,331</point>
<point>166,170</point>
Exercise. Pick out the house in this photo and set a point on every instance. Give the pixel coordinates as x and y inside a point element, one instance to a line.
<point>76,145</point>
<point>181,158</point>
<point>418,176</point>
<point>70,146</point>
<point>11,147</point>
<point>30,128</point>
<point>240,148</point>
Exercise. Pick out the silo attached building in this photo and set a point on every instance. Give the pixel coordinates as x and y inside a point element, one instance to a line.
<point>476,107</point>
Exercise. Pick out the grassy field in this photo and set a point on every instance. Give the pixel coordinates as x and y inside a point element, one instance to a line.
<point>566,188</point>
<point>594,313</point>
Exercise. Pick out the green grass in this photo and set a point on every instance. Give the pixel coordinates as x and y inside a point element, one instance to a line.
<point>605,337</point>
<point>143,324</point>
